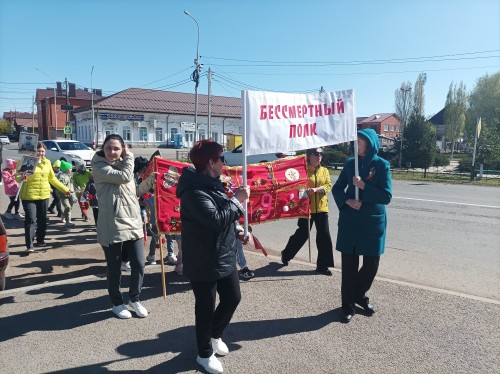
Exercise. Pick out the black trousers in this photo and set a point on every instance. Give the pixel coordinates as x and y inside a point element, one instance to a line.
<point>56,203</point>
<point>356,283</point>
<point>13,204</point>
<point>211,323</point>
<point>323,240</point>
<point>35,220</point>
<point>113,253</point>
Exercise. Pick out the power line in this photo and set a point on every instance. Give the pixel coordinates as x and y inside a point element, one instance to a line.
<point>357,62</point>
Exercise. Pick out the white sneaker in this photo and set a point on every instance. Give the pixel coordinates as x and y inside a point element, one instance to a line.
<point>8,215</point>
<point>151,260</point>
<point>18,216</point>
<point>138,308</point>
<point>125,266</point>
<point>171,260</point>
<point>121,311</point>
<point>30,250</point>
<point>69,224</point>
<point>210,364</point>
<point>219,346</point>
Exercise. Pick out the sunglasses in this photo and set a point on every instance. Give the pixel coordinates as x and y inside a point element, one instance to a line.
<point>222,158</point>
<point>317,154</point>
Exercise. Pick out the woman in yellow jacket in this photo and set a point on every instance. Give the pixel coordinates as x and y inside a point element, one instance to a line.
<point>320,185</point>
<point>35,194</point>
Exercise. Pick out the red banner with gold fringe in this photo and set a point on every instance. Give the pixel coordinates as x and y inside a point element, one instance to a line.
<point>277,190</point>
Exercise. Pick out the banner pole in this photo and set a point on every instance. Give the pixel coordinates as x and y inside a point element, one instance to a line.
<point>163,282</point>
<point>245,203</point>
<point>309,234</point>
<point>356,168</point>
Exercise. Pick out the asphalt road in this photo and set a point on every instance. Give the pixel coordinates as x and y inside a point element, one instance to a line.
<point>289,317</point>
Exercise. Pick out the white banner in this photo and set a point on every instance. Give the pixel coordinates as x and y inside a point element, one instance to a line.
<point>279,122</point>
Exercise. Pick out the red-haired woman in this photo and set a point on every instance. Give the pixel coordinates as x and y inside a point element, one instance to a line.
<point>209,233</point>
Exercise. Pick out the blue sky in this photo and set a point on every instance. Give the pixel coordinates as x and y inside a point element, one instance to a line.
<point>288,46</point>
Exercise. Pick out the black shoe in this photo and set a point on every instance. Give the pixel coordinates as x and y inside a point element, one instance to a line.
<point>40,244</point>
<point>50,210</point>
<point>367,307</point>
<point>346,318</point>
<point>347,313</point>
<point>283,261</point>
<point>324,271</point>
<point>246,273</point>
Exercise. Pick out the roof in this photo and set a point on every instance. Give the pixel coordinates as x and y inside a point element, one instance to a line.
<point>17,115</point>
<point>25,122</point>
<point>438,118</point>
<point>379,117</point>
<point>168,102</point>
<point>42,93</point>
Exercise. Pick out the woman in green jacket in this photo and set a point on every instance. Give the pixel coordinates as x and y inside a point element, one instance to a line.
<point>120,223</point>
<point>35,194</point>
<point>320,185</point>
<point>362,222</point>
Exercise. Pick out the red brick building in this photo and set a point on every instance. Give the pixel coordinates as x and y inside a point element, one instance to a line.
<point>51,121</point>
<point>385,124</point>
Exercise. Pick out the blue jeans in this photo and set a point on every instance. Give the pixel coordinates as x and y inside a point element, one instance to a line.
<point>155,240</point>
<point>240,255</point>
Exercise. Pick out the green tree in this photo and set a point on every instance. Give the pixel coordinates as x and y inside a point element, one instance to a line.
<point>419,145</point>
<point>5,127</point>
<point>484,102</point>
<point>418,95</point>
<point>454,113</point>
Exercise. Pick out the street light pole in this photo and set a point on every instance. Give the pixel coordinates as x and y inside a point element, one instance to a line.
<point>92,101</point>
<point>55,97</point>
<point>405,114</point>
<point>196,75</point>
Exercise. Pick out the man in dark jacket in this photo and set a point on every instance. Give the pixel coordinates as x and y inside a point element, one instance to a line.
<point>208,219</point>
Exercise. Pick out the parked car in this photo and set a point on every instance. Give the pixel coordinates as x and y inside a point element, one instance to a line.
<point>68,150</point>
<point>235,157</point>
<point>4,254</point>
<point>13,137</point>
<point>4,139</point>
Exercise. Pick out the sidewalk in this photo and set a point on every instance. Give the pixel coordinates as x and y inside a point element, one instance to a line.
<point>288,322</point>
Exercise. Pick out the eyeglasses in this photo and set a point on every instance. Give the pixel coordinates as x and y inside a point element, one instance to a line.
<point>222,158</point>
<point>317,154</point>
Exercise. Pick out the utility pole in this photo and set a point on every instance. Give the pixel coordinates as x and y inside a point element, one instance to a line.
<point>33,114</point>
<point>210,104</point>
<point>92,100</point>
<point>195,76</point>
<point>67,103</point>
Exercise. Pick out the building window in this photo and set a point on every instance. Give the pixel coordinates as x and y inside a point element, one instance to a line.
<point>127,134</point>
<point>215,136</point>
<point>108,131</point>
<point>386,127</point>
<point>173,131</point>
<point>143,134</point>
<point>158,134</point>
<point>201,134</point>
<point>393,127</point>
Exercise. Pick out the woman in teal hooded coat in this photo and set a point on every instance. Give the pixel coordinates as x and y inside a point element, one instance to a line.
<point>362,223</point>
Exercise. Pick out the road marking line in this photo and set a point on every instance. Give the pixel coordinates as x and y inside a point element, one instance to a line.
<point>448,202</point>
<point>402,283</point>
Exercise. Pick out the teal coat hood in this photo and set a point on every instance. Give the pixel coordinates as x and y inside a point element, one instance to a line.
<point>371,137</point>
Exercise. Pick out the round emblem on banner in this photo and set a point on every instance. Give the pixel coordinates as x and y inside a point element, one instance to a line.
<point>170,177</point>
<point>292,174</point>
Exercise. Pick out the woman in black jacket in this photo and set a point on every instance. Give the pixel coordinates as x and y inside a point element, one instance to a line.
<point>209,233</point>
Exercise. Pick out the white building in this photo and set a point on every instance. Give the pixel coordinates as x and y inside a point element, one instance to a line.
<point>150,117</point>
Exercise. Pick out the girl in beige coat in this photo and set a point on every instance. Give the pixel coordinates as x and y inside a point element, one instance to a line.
<point>120,224</point>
